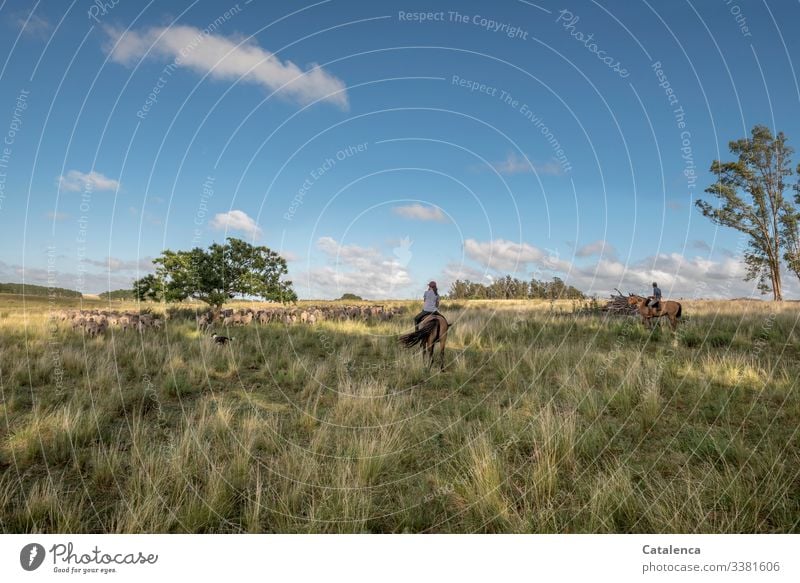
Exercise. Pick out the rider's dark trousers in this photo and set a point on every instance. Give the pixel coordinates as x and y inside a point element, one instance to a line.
<point>419,317</point>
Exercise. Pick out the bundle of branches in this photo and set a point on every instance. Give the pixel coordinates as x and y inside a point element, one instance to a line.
<point>618,305</point>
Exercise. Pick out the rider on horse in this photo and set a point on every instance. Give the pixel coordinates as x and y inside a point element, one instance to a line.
<point>430,328</point>
<point>430,304</point>
<point>654,300</point>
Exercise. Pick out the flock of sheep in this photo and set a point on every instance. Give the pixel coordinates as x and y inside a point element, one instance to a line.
<point>289,316</point>
<point>96,322</point>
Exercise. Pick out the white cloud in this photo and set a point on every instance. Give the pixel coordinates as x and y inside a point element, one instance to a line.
<point>77,181</point>
<point>34,26</point>
<point>224,58</point>
<point>502,255</point>
<point>454,271</point>
<point>56,216</point>
<point>420,212</point>
<point>598,247</point>
<point>347,253</point>
<point>115,264</point>
<point>364,271</point>
<point>235,221</point>
<point>516,164</point>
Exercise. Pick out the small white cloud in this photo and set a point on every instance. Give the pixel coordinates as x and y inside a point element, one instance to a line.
<point>598,247</point>
<point>77,181</point>
<point>235,221</point>
<point>225,59</point>
<point>419,212</point>
<point>700,245</point>
<point>115,264</point>
<point>454,271</point>
<point>516,164</point>
<point>34,26</point>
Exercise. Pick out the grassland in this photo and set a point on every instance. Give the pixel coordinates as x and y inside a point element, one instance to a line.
<point>544,421</point>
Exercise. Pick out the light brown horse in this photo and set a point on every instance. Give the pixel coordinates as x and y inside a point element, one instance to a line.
<point>669,308</point>
<point>432,329</point>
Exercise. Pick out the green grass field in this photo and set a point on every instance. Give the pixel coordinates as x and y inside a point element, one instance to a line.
<point>544,421</point>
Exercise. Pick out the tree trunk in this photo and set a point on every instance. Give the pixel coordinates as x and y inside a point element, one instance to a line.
<point>777,292</point>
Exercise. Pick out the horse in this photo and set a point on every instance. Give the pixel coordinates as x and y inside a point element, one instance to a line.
<point>432,329</point>
<point>669,308</point>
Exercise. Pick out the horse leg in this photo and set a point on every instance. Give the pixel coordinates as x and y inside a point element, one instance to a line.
<point>430,354</point>
<point>441,354</point>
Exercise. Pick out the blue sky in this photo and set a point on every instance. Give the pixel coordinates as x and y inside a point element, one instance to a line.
<point>380,145</point>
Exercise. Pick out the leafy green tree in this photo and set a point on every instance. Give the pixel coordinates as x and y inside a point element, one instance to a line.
<point>459,290</point>
<point>537,288</point>
<point>750,192</point>
<point>218,274</point>
<point>351,298</point>
<point>790,222</point>
<point>148,288</point>
<point>556,289</point>
<point>117,294</point>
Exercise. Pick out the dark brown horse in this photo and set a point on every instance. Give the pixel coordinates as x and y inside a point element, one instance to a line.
<point>669,308</point>
<point>432,329</point>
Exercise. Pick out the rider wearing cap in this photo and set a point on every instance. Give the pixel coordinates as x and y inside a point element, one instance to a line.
<point>430,305</point>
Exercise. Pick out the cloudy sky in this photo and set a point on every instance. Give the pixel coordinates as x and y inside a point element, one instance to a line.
<point>381,145</point>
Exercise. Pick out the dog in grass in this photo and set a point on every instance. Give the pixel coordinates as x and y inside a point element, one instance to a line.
<point>220,339</point>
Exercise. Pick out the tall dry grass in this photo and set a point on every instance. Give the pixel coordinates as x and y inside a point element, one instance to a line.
<point>544,421</point>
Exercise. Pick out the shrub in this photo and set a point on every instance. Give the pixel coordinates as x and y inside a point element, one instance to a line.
<point>348,297</point>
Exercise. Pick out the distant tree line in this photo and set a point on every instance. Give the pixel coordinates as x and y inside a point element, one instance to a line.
<point>38,290</point>
<point>118,294</point>
<point>512,288</point>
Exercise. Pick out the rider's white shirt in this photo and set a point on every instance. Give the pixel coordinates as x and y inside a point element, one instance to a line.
<point>430,301</point>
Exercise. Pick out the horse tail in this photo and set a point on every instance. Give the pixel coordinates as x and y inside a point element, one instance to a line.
<point>678,315</point>
<point>420,336</point>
